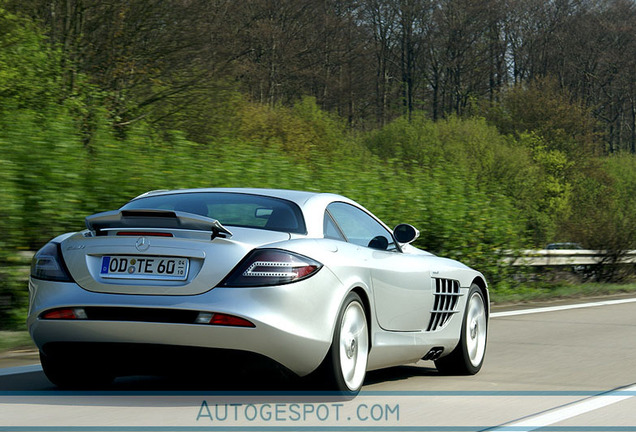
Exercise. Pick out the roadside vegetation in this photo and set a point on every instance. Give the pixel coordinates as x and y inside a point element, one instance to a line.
<point>548,292</point>
<point>526,169</point>
<point>15,340</point>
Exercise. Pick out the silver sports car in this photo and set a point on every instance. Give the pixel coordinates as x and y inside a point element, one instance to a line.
<point>312,283</point>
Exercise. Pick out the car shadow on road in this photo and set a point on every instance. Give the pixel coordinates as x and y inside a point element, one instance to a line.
<point>232,382</point>
<point>260,382</point>
<point>400,373</point>
<point>190,390</point>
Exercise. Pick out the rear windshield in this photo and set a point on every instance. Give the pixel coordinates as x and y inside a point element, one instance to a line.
<point>231,209</point>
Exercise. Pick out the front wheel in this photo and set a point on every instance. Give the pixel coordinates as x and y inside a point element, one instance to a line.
<point>345,366</point>
<point>468,357</point>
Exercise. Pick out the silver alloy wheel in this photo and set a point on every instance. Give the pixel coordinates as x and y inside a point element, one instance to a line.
<point>476,329</point>
<point>353,346</point>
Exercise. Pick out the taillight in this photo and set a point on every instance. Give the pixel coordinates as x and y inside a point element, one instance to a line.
<point>48,264</point>
<point>266,267</point>
<point>65,314</point>
<point>222,320</point>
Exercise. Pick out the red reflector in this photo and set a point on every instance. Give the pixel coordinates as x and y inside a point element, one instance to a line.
<point>229,320</point>
<point>60,314</point>
<point>301,272</point>
<point>148,234</point>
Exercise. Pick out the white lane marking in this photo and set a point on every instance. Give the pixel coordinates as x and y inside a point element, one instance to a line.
<point>560,308</point>
<point>561,414</point>
<point>20,370</point>
<point>576,409</point>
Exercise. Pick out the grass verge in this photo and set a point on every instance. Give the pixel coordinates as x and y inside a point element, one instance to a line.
<point>15,340</point>
<point>551,292</point>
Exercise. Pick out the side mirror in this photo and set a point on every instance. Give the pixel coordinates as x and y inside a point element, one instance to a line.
<point>405,233</point>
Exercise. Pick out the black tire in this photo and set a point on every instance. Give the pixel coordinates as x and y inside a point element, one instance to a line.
<point>75,374</point>
<point>468,356</point>
<point>344,367</point>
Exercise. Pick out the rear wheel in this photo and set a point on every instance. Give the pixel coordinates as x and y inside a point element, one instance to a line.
<point>70,373</point>
<point>468,357</point>
<point>345,366</point>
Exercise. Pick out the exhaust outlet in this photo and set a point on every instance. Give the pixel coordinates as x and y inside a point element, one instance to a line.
<point>434,353</point>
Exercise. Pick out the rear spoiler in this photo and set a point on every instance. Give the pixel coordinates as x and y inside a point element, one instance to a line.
<point>150,218</point>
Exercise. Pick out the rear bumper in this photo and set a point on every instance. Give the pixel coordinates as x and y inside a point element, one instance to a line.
<point>124,359</point>
<point>293,323</point>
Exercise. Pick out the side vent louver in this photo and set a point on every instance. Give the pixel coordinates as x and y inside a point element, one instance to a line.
<point>446,298</point>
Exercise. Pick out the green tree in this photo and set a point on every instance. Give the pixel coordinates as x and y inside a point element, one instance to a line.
<point>545,109</point>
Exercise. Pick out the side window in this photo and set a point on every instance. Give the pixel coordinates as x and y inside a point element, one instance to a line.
<point>360,228</point>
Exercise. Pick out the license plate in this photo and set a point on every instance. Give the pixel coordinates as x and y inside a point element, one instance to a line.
<point>144,267</point>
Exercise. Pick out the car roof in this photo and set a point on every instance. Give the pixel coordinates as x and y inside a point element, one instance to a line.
<point>312,204</point>
<point>298,197</point>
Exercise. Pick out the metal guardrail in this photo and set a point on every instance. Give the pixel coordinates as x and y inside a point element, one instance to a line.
<point>565,257</point>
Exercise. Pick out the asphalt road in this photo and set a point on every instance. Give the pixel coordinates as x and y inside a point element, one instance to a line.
<point>562,370</point>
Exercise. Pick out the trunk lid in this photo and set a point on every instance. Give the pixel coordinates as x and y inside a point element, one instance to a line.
<point>150,252</point>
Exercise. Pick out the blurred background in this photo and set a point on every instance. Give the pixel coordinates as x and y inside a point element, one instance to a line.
<point>492,126</point>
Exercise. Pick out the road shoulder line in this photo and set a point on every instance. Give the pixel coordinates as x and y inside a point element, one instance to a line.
<point>560,308</point>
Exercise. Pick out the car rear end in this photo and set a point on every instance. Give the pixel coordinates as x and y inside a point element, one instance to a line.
<point>145,290</point>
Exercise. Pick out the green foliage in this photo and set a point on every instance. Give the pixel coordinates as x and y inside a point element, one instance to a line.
<point>29,72</point>
<point>47,158</point>
<point>452,189</point>
<point>474,188</point>
<point>545,292</point>
<point>202,113</point>
<point>604,205</point>
<point>414,142</point>
<point>545,196</point>
<point>300,131</point>
<point>543,108</point>
<point>13,296</point>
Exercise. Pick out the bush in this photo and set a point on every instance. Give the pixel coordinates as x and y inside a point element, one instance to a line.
<point>474,188</point>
